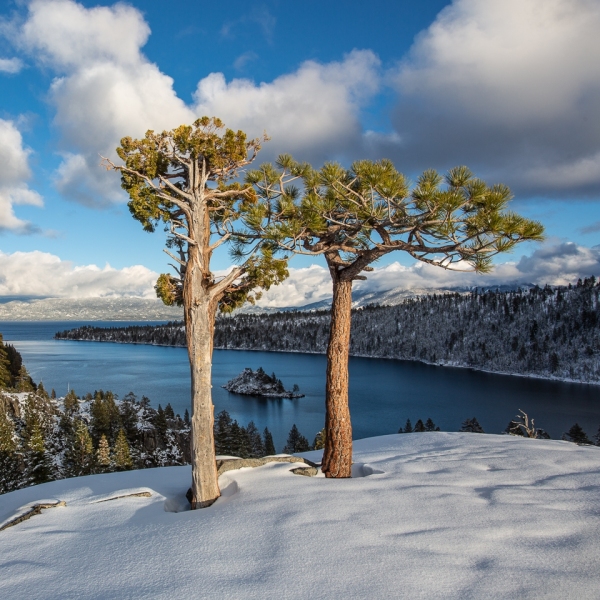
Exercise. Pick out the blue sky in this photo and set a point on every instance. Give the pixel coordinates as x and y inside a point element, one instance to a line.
<point>510,88</point>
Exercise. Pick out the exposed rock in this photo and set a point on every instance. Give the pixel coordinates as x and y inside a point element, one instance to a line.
<point>306,471</point>
<point>258,383</point>
<point>36,509</point>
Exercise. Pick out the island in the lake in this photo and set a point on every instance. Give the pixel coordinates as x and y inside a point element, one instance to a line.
<point>258,383</point>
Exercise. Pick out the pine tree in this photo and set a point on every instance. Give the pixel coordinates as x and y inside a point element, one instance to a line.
<point>10,473</point>
<point>8,441</point>
<point>186,417</point>
<point>80,453</point>
<point>41,391</point>
<point>472,426</point>
<point>71,403</point>
<point>408,428</point>
<point>319,442</point>
<point>4,366</point>
<point>235,443</point>
<point>103,453</point>
<point>430,425</point>
<point>160,421</point>
<point>206,202</point>
<point>577,435</point>
<point>112,411</point>
<point>223,433</point>
<point>169,411</point>
<point>419,427</point>
<point>453,222</point>
<point>37,460</point>
<point>268,441</point>
<point>24,383</point>
<point>245,444</point>
<point>129,416</point>
<point>121,454</point>
<point>257,448</point>
<point>597,437</point>
<point>296,442</point>
<point>100,424</point>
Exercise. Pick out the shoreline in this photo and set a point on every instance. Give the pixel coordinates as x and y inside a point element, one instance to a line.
<point>425,362</point>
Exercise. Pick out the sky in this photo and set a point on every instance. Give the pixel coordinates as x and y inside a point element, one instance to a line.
<point>510,88</point>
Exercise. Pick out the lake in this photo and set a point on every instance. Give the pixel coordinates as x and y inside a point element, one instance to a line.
<point>383,393</point>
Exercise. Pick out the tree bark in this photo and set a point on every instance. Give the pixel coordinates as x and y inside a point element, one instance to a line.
<point>200,308</point>
<point>199,332</point>
<point>337,456</point>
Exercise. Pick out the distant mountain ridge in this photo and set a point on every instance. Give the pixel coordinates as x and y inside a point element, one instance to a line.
<point>89,309</point>
<point>150,309</point>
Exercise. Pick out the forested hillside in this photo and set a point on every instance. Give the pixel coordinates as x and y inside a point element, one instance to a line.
<point>547,332</point>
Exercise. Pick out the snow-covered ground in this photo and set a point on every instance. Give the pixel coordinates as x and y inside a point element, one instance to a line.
<point>438,515</point>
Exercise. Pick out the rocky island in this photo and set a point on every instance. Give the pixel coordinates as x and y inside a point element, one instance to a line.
<point>258,383</point>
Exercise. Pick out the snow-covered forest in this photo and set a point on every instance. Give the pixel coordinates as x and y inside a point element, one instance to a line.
<point>551,332</point>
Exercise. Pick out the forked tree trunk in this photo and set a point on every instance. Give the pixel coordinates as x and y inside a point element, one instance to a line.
<point>199,327</point>
<point>337,456</point>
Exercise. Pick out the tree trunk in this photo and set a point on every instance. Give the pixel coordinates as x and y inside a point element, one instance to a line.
<point>337,456</point>
<point>199,328</point>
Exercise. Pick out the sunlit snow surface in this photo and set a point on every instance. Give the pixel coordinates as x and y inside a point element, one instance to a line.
<point>450,515</point>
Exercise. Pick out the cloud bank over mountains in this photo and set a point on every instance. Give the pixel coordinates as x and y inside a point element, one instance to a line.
<point>43,275</point>
<point>512,89</point>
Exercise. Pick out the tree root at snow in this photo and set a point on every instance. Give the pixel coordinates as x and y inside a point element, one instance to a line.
<point>230,464</point>
<point>36,509</point>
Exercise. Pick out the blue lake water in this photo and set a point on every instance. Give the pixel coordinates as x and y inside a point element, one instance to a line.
<point>383,393</point>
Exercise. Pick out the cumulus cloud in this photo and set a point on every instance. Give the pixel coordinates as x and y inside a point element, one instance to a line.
<point>106,89</point>
<point>558,264</point>
<point>510,87</point>
<point>43,275</point>
<point>13,179</point>
<point>10,65</point>
<point>312,113</point>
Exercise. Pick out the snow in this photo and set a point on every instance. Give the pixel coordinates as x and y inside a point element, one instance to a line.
<point>429,515</point>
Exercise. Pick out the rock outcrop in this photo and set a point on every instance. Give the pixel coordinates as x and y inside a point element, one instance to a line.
<point>258,383</point>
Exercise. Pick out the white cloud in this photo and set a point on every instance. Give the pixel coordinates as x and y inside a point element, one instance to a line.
<point>303,286</point>
<point>107,88</point>
<point>312,113</point>
<point>66,34</point>
<point>512,87</point>
<point>558,264</point>
<point>43,275</point>
<point>13,179</point>
<point>10,65</point>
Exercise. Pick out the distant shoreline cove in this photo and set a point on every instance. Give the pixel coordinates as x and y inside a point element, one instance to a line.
<point>419,360</point>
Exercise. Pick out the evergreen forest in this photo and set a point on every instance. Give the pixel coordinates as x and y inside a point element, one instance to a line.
<point>550,332</point>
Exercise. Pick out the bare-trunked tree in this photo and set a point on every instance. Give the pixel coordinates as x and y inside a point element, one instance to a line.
<point>186,179</point>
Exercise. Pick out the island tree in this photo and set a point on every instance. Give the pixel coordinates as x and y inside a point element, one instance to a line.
<point>355,216</point>
<point>186,178</point>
